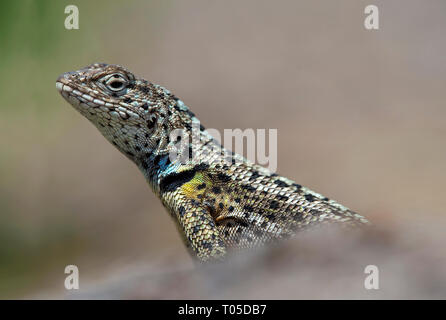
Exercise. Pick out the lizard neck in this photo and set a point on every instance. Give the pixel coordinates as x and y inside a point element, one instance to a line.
<point>178,148</point>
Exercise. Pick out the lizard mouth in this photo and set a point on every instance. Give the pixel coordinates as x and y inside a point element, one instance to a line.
<point>67,92</point>
<point>76,98</point>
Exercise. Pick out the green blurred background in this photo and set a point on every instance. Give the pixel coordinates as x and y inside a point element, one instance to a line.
<point>360,117</point>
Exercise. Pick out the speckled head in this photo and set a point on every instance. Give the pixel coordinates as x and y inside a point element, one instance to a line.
<point>133,114</point>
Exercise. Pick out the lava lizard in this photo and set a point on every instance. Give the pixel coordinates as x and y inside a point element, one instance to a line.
<point>220,201</point>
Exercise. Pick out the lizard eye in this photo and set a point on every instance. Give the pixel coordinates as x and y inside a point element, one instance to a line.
<point>116,82</point>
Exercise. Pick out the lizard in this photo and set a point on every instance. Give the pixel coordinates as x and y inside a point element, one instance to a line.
<point>220,201</point>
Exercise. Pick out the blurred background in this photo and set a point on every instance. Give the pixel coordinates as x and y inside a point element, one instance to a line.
<point>360,117</point>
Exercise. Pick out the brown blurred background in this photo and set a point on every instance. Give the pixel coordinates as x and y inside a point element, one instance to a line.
<point>360,117</point>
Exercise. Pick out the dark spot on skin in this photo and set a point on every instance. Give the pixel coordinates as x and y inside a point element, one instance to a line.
<point>150,124</point>
<point>146,145</point>
<point>254,175</point>
<point>146,135</point>
<point>271,217</point>
<point>243,224</point>
<point>136,137</point>
<point>220,205</point>
<point>273,204</point>
<point>127,100</point>
<point>226,233</point>
<point>281,183</point>
<point>281,197</point>
<point>249,188</point>
<point>229,224</point>
<point>201,186</point>
<point>201,167</point>
<point>325,199</point>
<point>200,196</point>
<point>223,177</point>
<point>239,230</point>
<point>181,211</point>
<point>207,245</point>
<point>273,175</point>
<point>237,200</point>
<point>298,186</point>
<point>309,197</point>
<point>231,208</point>
<point>126,142</point>
<point>211,211</point>
<point>216,190</point>
<point>114,143</point>
<point>145,106</point>
<point>137,148</point>
<point>144,89</point>
<point>248,208</point>
<point>190,113</point>
<point>264,224</point>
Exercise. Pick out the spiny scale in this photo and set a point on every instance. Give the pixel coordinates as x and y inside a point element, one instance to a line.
<point>219,206</point>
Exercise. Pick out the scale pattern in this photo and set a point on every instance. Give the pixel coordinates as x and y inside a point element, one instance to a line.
<point>220,201</point>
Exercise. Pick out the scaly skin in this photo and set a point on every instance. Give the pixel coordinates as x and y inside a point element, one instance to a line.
<point>220,201</point>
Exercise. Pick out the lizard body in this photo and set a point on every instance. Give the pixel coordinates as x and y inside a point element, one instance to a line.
<point>220,201</point>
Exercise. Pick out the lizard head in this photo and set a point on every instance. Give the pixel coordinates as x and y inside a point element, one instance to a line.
<point>133,114</point>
